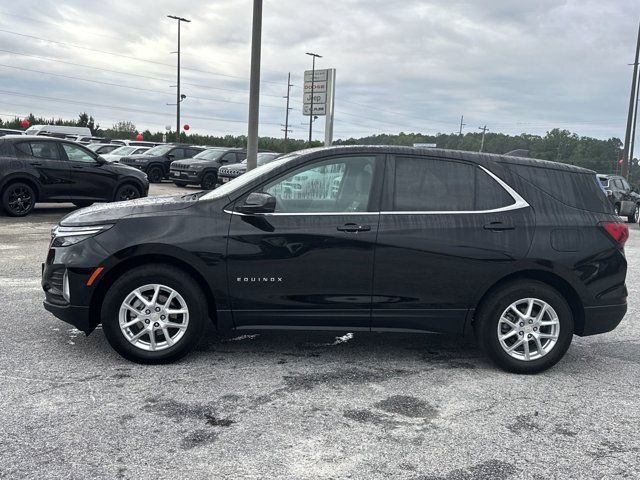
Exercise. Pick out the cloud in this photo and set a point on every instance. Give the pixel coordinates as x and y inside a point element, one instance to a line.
<point>401,65</point>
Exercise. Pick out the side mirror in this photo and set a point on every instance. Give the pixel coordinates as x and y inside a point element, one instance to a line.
<point>257,203</point>
<point>100,159</point>
<point>171,156</point>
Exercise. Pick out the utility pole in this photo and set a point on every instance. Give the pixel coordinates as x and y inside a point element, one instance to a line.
<point>632,102</point>
<point>633,128</point>
<point>254,87</point>
<point>179,97</point>
<point>286,117</point>
<point>484,132</point>
<point>313,84</point>
<point>461,124</point>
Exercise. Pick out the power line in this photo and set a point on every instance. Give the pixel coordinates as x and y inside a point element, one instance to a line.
<point>126,86</point>
<point>119,72</point>
<point>112,107</point>
<point>130,57</point>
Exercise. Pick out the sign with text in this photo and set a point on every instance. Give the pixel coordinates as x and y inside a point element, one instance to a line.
<point>318,83</point>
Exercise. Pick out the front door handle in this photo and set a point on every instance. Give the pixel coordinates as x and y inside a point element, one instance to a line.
<point>354,228</point>
<point>499,226</point>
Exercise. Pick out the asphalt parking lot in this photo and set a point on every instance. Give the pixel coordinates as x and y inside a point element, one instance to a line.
<point>302,405</point>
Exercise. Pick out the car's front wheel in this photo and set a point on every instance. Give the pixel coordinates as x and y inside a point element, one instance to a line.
<point>525,326</point>
<point>209,181</point>
<point>126,192</point>
<point>155,174</point>
<point>154,314</point>
<point>18,199</point>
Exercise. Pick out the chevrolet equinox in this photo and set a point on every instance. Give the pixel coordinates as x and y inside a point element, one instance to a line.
<point>523,253</point>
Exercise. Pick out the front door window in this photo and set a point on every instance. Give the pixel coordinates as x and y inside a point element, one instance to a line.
<point>336,185</point>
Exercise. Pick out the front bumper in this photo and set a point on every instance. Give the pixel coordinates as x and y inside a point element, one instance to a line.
<point>184,176</point>
<point>602,319</point>
<point>72,314</point>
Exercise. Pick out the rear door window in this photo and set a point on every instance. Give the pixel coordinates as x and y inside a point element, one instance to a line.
<point>48,150</point>
<point>434,185</point>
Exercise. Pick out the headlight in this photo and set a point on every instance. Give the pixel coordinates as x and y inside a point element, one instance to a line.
<point>65,236</point>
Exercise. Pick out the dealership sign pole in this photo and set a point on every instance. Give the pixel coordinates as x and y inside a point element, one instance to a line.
<point>319,98</point>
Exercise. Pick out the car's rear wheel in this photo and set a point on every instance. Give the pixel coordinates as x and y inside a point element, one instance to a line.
<point>126,192</point>
<point>525,326</point>
<point>209,181</point>
<point>154,314</point>
<point>155,174</point>
<point>80,204</point>
<point>18,199</point>
<point>180,184</point>
<point>633,218</point>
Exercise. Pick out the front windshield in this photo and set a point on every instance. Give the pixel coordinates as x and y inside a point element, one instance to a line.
<point>266,157</point>
<point>159,150</point>
<point>210,154</point>
<point>242,180</point>
<point>122,151</point>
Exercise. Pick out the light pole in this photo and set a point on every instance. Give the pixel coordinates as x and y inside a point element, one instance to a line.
<point>313,84</point>
<point>179,97</point>
<point>254,87</point>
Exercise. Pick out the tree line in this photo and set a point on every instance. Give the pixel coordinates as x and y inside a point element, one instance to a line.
<point>557,145</point>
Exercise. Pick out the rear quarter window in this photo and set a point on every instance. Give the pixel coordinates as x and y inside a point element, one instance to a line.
<point>575,189</point>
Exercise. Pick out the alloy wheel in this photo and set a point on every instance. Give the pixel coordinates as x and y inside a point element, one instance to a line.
<point>128,193</point>
<point>528,329</point>
<point>154,317</point>
<point>20,200</point>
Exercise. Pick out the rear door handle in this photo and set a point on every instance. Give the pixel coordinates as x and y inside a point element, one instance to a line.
<point>499,226</point>
<point>354,228</point>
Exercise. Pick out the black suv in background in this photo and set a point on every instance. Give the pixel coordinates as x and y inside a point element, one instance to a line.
<point>203,168</point>
<point>156,161</point>
<point>625,201</point>
<point>235,170</point>
<point>46,169</point>
<point>524,253</point>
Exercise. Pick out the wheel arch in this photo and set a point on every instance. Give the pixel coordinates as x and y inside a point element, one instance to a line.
<point>19,178</point>
<point>128,181</point>
<point>147,259</point>
<point>553,280</point>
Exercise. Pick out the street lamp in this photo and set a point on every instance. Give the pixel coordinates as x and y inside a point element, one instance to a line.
<point>313,84</point>
<point>179,97</point>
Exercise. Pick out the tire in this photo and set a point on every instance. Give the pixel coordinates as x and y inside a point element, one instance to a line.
<point>82,204</point>
<point>635,216</point>
<point>209,181</point>
<point>155,174</point>
<point>18,199</point>
<point>180,184</point>
<point>145,278</point>
<point>126,192</point>
<point>497,307</point>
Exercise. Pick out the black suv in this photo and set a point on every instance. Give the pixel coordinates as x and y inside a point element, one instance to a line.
<point>156,161</point>
<point>203,168</point>
<point>525,253</point>
<point>626,202</point>
<point>45,169</point>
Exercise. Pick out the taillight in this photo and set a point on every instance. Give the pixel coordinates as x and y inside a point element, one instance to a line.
<point>619,232</point>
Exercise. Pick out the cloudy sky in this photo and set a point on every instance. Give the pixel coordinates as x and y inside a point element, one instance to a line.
<point>402,65</point>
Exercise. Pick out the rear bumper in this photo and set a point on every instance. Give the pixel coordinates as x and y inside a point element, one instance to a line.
<point>602,319</point>
<point>73,315</point>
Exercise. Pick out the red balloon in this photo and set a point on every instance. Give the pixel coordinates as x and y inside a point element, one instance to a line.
<point>186,126</point>
<point>139,137</point>
<point>24,123</point>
